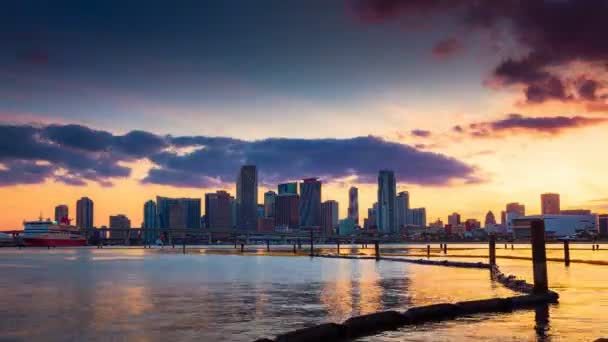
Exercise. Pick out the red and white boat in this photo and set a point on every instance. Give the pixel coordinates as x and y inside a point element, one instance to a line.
<point>52,234</point>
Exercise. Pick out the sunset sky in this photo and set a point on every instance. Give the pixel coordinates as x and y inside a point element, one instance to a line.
<point>473,104</point>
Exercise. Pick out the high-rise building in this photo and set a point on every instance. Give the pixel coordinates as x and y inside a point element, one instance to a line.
<point>516,208</point>
<point>549,204</point>
<point>218,210</point>
<point>385,215</point>
<point>287,210</point>
<point>310,202</point>
<point>150,215</point>
<point>61,213</point>
<point>503,217</point>
<point>402,208</point>
<point>575,212</point>
<point>247,197</point>
<point>490,219</point>
<point>288,188</point>
<point>419,217</point>
<point>471,224</point>
<point>353,204</point>
<point>454,219</point>
<point>84,213</point>
<point>347,226</point>
<point>603,225</point>
<point>329,216</point>
<point>120,223</point>
<point>269,199</point>
<point>178,212</point>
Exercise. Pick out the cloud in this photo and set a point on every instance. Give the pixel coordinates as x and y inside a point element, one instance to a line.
<point>447,48</point>
<point>517,123</point>
<point>420,133</point>
<point>75,154</point>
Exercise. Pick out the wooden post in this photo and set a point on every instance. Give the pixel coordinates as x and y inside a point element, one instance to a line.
<point>267,245</point>
<point>492,246</point>
<point>567,252</point>
<point>445,248</point>
<point>338,243</point>
<point>505,246</point>
<point>593,247</point>
<point>235,242</point>
<point>539,256</point>
<point>242,247</point>
<point>312,246</point>
<point>294,247</point>
<point>377,248</point>
<point>184,246</point>
<point>512,247</point>
<point>428,251</point>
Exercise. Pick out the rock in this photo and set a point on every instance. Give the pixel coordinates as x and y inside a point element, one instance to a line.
<point>369,324</point>
<point>432,312</point>
<point>485,305</point>
<point>322,332</point>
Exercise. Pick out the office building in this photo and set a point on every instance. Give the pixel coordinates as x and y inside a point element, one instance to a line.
<point>150,223</point>
<point>454,219</point>
<point>269,199</point>
<point>178,212</point>
<point>549,204</point>
<point>418,217</point>
<point>372,222</point>
<point>218,210</point>
<point>503,217</point>
<point>347,226</point>
<point>490,219</point>
<point>603,225</point>
<point>265,224</point>
<point>61,214</point>
<point>353,204</point>
<point>288,188</point>
<point>516,209</point>
<point>247,197</point>
<point>575,212</point>
<point>310,202</point>
<point>329,216</point>
<point>84,213</point>
<point>556,226</point>
<point>385,215</point>
<point>402,208</point>
<point>119,225</point>
<point>287,211</point>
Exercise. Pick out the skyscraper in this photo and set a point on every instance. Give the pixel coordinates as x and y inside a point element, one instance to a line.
<point>178,212</point>
<point>287,210</point>
<point>516,208</point>
<point>218,210</point>
<point>419,217</point>
<point>490,219</point>
<point>84,213</point>
<point>310,202</point>
<point>385,214</point>
<point>247,197</point>
<point>603,225</point>
<point>353,204</point>
<point>329,216</point>
<point>269,199</point>
<point>402,207</point>
<point>454,219</point>
<point>150,215</point>
<point>549,204</point>
<point>61,213</point>
<point>288,188</point>
<point>120,223</point>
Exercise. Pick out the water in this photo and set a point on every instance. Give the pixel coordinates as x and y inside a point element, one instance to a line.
<point>152,295</point>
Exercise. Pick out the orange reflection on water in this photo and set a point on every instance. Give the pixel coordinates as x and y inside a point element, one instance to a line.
<point>369,288</point>
<point>336,295</point>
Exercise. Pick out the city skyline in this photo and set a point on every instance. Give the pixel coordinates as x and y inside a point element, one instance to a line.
<point>468,112</point>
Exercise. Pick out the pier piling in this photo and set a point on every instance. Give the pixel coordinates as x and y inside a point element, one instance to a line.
<point>539,257</point>
<point>338,244</point>
<point>267,245</point>
<point>492,247</point>
<point>428,251</point>
<point>377,248</point>
<point>567,252</point>
<point>445,248</point>
<point>242,247</point>
<point>312,246</point>
<point>294,248</point>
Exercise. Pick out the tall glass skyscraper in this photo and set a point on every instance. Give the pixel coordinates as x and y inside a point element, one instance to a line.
<point>178,212</point>
<point>288,188</point>
<point>269,203</point>
<point>310,203</point>
<point>353,204</point>
<point>150,222</point>
<point>385,215</point>
<point>247,197</point>
<point>402,204</point>
<point>84,213</point>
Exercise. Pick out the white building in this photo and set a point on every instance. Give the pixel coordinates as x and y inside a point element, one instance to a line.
<point>555,225</point>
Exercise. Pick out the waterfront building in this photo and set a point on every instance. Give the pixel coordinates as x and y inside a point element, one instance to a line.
<point>347,226</point>
<point>503,217</point>
<point>265,224</point>
<point>603,225</point>
<point>247,197</point>
<point>84,213</point>
<point>555,225</point>
<point>119,222</point>
<point>61,213</point>
<point>218,210</point>
<point>372,222</point>
<point>549,204</point>
<point>353,204</point>
<point>516,208</point>
<point>402,208</point>
<point>575,212</point>
<point>385,215</point>
<point>471,224</point>
<point>150,222</point>
<point>490,219</point>
<point>288,188</point>
<point>419,217</point>
<point>454,219</point>
<point>178,212</point>
<point>329,216</point>
<point>287,210</point>
<point>310,202</point>
<point>269,199</point>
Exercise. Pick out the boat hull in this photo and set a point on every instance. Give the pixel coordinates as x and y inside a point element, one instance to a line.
<point>38,242</point>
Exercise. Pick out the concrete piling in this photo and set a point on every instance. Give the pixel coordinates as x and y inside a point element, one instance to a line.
<point>338,245</point>
<point>492,247</point>
<point>539,257</point>
<point>294,248</point>
<point>567,252</point>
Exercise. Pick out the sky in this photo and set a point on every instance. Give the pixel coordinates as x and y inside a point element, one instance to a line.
<point>473,104</point>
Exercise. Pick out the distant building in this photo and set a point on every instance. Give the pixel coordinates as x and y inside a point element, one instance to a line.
<point>454,219</point>
<point>329,216</point>
<point>261,211</point>
<point>402,208</point>
<point>288,188</point>
<point>269,199</point>
<point>516,208</point>
<point>437,224</point>
<point>347,226</point>
<point>287,211</point>
<point>178,212</point>
<point>575,212</point>
<point>84,213</point>
<point>555,225</point>
<point>265,224</point>
<point>218,210</point>
<point>120,223</point>
<point>247,197</point>
<point>503,217</point>
<point>490,219</point>
<point>603,225</point>
<point>61,213</point>
<point>310,203</point>
<point>549,204</point>
<point>419,217</point>
<point>385,215</point>
<point>353,204</point>
<point>150,222</point>
<point>372,221</point>
<point>471,224</point>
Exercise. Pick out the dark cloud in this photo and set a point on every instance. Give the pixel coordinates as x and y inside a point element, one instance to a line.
<point>74,154</point>
<point>587,89</point>
<point>420,133</point>
<point>447,48</point>
<point>514,123</point>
